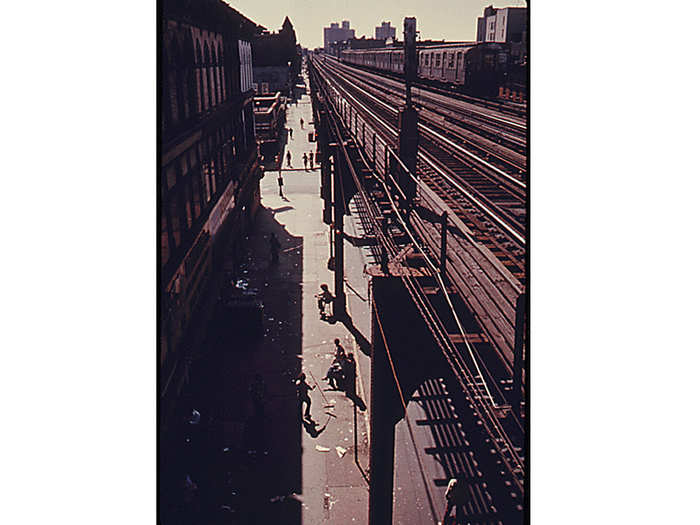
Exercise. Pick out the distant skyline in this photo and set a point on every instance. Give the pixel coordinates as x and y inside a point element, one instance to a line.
<point>437,20</point>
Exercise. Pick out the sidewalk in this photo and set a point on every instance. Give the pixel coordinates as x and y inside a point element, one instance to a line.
<point>333,487</point>
<point>276,470</point>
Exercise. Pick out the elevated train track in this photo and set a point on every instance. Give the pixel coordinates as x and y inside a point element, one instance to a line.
<point>490,200</point>
<point>479,349</point>
<point>450,91</point>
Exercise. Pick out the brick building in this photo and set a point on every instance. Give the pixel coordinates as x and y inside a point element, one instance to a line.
<point>508,24</point>
<point>385,31</point>
<point>334,34</point>
<point>208,166</point>
<point>276,59</point>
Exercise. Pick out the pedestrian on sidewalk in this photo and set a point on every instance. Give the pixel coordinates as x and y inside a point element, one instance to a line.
<point>339,350</point>
<point>274,248</point>
<point>280,182</point>
<point>323,298</point>
<point>334,376</point>
<point>301,121</point>
<point>289,158</point>
<point>311,160</point>
<point>306,162</point>
<point>303,390</point>
<point>456,496</point>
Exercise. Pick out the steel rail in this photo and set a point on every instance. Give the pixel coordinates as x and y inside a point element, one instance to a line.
<point>422,88</point>
<point>421,155</point>
<point>432,116</point>
<point>488,415</point>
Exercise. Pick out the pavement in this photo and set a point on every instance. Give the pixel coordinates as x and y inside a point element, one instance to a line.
<point>250,468</point>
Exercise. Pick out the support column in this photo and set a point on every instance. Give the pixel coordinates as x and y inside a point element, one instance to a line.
<point>338,232</point>
<point>518,353</point>
<point>382,421</point>
<point>443,245</point>
<point>408,116</point>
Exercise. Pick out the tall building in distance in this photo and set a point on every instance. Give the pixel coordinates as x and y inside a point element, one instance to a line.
<point>502,25</point>
<point>385,31</point>
<point>334,33</point>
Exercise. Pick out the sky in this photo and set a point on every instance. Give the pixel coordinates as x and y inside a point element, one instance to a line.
<point>437,20</point>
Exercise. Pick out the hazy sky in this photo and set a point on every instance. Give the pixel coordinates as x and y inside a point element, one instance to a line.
<point>439,19</point>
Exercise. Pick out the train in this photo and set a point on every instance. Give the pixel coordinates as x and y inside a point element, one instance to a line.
<point>476,68</point>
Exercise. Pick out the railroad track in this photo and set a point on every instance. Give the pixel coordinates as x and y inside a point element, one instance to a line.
<point>517,110</point>
<point>485,403</point>
<point>500,128</point>
<point>492,205</point>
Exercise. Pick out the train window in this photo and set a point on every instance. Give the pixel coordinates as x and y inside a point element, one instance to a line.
<point>437,60</point>
<point>432,58</point>
<point>451,63</point>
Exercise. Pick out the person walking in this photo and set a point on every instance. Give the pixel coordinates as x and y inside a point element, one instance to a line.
<point>291,133</point>
<point>274,248</point>
<point>289,158</point>
<point>301,121</point>
<point>334,376</point>
<point>280,182</point>
<point>311,160</point>
<point>306,162</point>
<point>456,496</point>
<point>303,390</point>
<point>323,298</point>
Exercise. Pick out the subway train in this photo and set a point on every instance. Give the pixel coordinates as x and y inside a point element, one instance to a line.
<point>474,68</point>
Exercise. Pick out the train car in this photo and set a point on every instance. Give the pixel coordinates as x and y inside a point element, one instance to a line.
<point>475,68</point>
<point>487,68</point>
<point>444,63</point>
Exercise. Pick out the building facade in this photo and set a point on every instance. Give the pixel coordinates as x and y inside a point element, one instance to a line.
<point>209,173</point>
<point>276,60</point>
<point>508,24</point>
<point>385,31</point>
<point>336,34</point>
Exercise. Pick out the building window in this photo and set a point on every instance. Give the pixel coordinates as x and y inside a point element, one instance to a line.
<point>164,247</point>
<point>188,206</point>
<point>200,80</point>
<point>175,220</point>
<point>222,82</point>
<point>196,195</point>
<point>170,176</point>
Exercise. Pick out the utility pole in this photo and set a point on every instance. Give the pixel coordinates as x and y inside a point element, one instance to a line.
<point>408,116</point>
<point>339,304</point>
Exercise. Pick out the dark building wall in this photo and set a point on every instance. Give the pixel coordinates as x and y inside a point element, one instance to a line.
<point>277,78</point>
<point>517,24</point>
<point>208,164</point>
